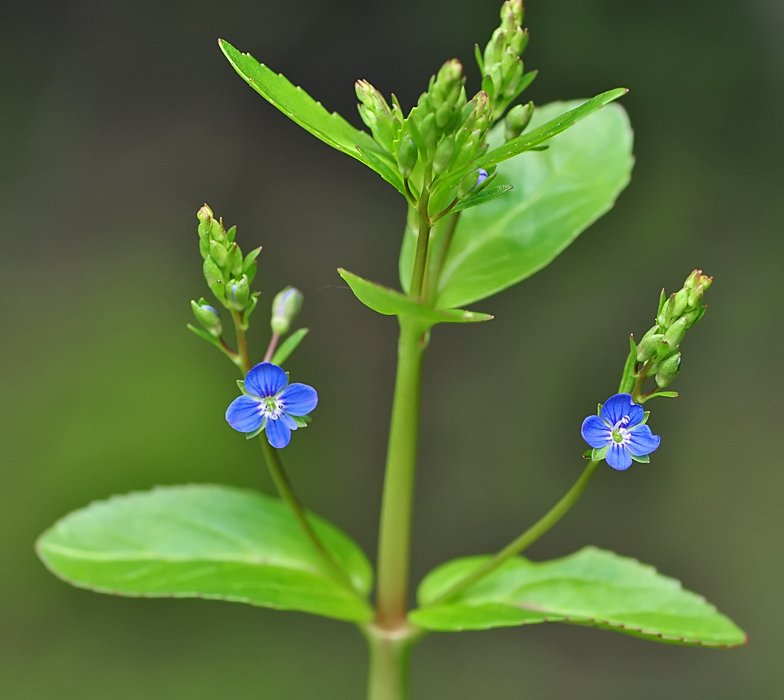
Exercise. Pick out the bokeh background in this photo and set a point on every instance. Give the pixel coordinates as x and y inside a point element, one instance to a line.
<point>118,120</point>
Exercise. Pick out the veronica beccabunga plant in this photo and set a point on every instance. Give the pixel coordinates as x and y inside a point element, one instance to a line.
<point>494,191</point>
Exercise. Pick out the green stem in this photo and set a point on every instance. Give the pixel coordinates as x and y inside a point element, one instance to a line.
<point>530,536</point>
<point>242,344</point>
<point>390,654</point>
<point>423,239</point>
<point>397,502</point>
<point>434,273</point>
<point>286,491</point>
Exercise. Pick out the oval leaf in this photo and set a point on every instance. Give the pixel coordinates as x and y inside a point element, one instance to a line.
<point>557,194</point>
<point>591,587</point>
<point>205,542</point>
<point>388,302</point>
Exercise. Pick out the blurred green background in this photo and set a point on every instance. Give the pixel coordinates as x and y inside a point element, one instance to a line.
<point>118,120</point>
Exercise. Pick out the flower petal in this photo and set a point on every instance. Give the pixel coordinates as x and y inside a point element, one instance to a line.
<point>278,433</point>
<point>636,415</point>
<point>265,379</point>
<point>642,441</point>
<point>288,420</point>
<point>616,407</point>
<point>618,456</point>
<point>596,432</point>
<point>244,414</point>
<point>298,399</point>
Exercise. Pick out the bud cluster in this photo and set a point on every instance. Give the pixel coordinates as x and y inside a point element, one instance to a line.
<point>227,272</point>
<point>505,76</point>
<point>443,131</point>
<point>658,348</point>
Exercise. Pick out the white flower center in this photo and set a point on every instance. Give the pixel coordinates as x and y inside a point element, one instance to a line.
<point>619,432</point>
<point>271,407</point>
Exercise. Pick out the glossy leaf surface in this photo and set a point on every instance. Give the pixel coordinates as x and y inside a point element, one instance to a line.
<point>205,542</point>
<point>591,587</point>
<point>388,302</point>
<point>296,104</point>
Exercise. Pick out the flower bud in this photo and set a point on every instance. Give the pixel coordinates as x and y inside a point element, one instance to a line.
<point>648,346</point>
<point>429,132</point>
<point>675,306</point>
<point>444,154</point>
<point>471,182</point>
<point>207,317</point>
<point>204,215</point>
<point>407,155</point>
<point>218,253</point>
<point>675,333</point>
<point>212,272</point>
<point>285,307</point>
<point>517,119</point>
<point>668,370</point>
<point>237,293</point>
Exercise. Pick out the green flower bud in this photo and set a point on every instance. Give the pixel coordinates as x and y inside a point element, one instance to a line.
<point>237,293</point>
<point>675,306</point>
<point>204,215</point>
<point>377,115</point>
<point>407,156</point>
<point>444,154</point>
<point>218,253</point>
<point>207,317</point>
<point>285,307</point>
<point>668,370</point>
<point>675,333</point>
<point>429,132</point>
<point>517,119</point>
<point>472,183</point>
<point>648,346</point>
<point>212,272</point>
<point>234,260</point>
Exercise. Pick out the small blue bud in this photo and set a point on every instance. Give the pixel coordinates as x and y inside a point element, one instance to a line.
<point>208,317</point>
<point>285,307</point>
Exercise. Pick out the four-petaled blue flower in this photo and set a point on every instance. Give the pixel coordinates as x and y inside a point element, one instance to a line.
<point>620,433</point>
<point>270,405</point>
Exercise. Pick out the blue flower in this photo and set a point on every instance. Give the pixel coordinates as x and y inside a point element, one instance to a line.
<point>619,434</point>
<point>269,405</point>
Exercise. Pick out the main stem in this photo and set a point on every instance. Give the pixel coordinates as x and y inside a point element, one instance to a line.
<point>394,544</point>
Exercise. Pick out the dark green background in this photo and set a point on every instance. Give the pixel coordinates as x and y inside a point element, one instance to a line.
<point>119,119</point>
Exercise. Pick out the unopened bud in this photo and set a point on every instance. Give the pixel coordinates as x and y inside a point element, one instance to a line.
<point>212,272</point>
<point>444,154</point>
<point>517,119</point>
<point>218,253</point>
<point>675,333</point>
<point>648,345</point>
<point>207,317</point>
<point>285,307</point>
<point>471,182</point>
<point>204,215</point>
<point>668,370</point>
<point>237,293</point>
<point>407,155</point>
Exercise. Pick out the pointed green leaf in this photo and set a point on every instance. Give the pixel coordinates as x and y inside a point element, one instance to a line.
<point>534,137</point>
<point>391,176</point>
<point>591,587</point>
<point>557,194</point>
<point>288,346</point>
<point>391,303</point>
<point>296,104</point>
<point>484,196</point>
<point>205,542</point>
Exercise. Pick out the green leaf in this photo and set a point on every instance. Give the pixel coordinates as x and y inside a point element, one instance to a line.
<point>534,137</point>
<point>480,198</point>
<point>391,303</point>
<point>597,455</point>
<point>288,346</point>
<point>592,587</point>
<point>296,104</point>
<point>205,542</point>
<point>557,194</point>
